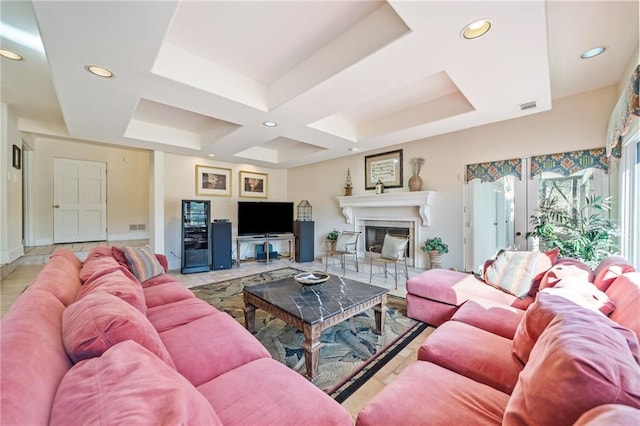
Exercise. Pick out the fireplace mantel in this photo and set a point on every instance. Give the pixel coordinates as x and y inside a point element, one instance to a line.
<point>421,199</point>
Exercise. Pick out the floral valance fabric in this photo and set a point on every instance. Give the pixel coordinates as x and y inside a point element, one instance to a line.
<point>567,163</point>
<point>627,106</point>
<point>493,170</point>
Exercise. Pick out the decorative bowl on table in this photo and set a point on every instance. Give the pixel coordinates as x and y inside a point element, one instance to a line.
<point>312,278</point>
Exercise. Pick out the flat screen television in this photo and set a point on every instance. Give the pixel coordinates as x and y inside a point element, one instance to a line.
<point>265,217</point>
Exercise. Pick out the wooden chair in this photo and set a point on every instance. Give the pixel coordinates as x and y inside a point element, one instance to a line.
<point>393,250</point>
<point>346,244</point>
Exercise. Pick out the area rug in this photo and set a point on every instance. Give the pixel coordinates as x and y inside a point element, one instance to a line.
<point>351,351</point>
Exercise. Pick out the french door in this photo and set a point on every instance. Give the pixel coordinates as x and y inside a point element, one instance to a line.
<point>498,211</point>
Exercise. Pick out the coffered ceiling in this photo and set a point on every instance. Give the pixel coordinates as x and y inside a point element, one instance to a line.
<point>201,77</point>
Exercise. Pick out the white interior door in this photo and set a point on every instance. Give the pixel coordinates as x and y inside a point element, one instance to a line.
<point>79,200</point>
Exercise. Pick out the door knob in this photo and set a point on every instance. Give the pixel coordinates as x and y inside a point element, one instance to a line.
<point>56,206</point>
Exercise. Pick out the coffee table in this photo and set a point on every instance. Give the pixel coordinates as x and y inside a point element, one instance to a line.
<point>312,309</point>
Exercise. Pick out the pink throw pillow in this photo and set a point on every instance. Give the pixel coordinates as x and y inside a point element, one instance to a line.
<point>100,320</point>
<point>576,365</point>
<point>129,385</point>
<point>117,281</point>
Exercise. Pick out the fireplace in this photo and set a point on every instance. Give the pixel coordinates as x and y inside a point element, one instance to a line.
<point>374,229</point>
<point>374,235</point>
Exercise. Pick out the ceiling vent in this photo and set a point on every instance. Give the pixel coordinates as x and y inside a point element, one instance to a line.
<point>527,105</point>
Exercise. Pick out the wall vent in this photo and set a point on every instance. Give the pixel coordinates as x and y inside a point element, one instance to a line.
<point>142,227</point>
<point>133,227</point>
<point>527,105</point>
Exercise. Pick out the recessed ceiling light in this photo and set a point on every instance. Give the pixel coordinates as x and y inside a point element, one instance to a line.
<point>476,29</point>
<point>593,52</point>
<point>354,148</point>
<point>99,71</point>
<point>211,155</point>
<point>10,54</point>
<point>269,123</point>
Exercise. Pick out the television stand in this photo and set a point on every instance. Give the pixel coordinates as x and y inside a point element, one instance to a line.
<point>266,239</point>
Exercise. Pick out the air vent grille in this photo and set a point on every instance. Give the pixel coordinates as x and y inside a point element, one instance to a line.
<point>527,105</point>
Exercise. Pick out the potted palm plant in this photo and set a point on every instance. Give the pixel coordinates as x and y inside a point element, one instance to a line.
<point>435,248</point>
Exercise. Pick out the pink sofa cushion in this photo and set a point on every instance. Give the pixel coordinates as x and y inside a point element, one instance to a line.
<point>475,353</point>
<point>129,385</point>
<point>278,396</point>
<point>96,266</point>
<point>119,282</point>
<point>540,314</point>
<point>565,267</point>
<point>142,262</point>
<point>32,358</point>
<point>425,393</point>
<point>582,293</point>
<point>625,292</point>
<point>60,276</point>
<point>100,320</point>
<point>609,269</point>
<point>609,415</point>
<point>176,314</point>
<point>490,316</point>
<point>168,292</point>
<point>574,356</point>
<point>212,345</point>
<point>515,271</point>
<point>454,288</point>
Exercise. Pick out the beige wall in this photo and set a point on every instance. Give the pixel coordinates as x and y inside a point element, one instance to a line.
<point>575,122</point>
<point>11,189</point>
<point>179,184</point>
<point>127,186</point>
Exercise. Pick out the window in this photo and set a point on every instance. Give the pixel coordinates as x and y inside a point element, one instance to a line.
<point>630,198</point>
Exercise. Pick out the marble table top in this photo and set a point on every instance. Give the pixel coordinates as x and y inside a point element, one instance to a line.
<point>317,303</point>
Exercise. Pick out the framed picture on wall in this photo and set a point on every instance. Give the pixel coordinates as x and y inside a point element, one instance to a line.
<point>386,166</point>
<point>214,181</point>
<point>253,184</point>
<point>17,157</point>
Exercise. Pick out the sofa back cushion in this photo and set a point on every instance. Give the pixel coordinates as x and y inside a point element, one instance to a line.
<point>516,271</point>
<point>563,268</point>
<point>625,292</point>
<point>118,281</point>
<point>32,358</point>
<point>60,276</point>
<point>96,266</point>
<point>100,320</point>
<point>582,293</point>
<point>129,385</point>
<point>576,365</point>
<point>609,269</point>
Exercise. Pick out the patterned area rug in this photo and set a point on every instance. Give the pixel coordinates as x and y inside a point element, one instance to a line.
<point>351,351</point>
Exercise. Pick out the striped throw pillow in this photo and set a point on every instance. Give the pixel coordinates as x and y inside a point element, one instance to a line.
<point>142,262</point>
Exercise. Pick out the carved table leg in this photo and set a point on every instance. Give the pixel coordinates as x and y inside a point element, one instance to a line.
<point>311,346</point>
<point>249,315</point>
<point>380,311</point>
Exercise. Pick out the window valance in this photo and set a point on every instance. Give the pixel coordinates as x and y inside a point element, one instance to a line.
<point>567,163</point>
<point>627,106</point>
<point>493,170</point>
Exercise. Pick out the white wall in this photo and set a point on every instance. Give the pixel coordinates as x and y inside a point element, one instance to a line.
<point>574,123</point>
<point>180,184</point>
<point>10,188</point>
<point>127,186</point>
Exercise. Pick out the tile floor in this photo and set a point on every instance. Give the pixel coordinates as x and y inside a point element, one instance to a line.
<point>24,271</point>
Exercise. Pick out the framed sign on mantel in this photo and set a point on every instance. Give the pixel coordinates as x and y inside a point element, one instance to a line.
<point>387,167</point>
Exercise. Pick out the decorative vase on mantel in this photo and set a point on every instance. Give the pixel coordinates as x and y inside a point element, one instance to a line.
<point>415,183</point>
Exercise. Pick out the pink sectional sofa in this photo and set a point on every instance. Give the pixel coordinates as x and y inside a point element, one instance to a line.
<point>87,343</point>
<point>565,359</point>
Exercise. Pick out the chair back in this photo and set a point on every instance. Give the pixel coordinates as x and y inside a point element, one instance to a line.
<point>394,247</point>
<point>347,241</point>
